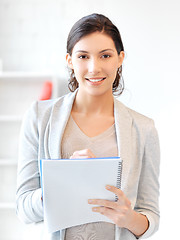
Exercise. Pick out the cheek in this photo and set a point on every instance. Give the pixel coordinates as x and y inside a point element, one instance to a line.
<point>79,69</point>
<point>111,70</point>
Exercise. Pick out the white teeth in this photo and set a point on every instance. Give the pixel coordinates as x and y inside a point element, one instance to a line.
<point>95,80</point>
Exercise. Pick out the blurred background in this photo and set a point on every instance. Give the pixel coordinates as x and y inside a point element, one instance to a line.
<point>33,37</point>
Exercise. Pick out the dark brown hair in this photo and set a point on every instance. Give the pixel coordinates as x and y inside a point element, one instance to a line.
<point>87,25</point>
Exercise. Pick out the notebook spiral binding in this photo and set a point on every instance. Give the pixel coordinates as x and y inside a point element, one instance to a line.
<point>118,185</point>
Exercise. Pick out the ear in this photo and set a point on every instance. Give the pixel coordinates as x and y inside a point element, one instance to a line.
<point>121,58</point>
<point>69,61</point>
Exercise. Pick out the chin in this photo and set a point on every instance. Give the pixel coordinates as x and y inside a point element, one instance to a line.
<point>99,92</point>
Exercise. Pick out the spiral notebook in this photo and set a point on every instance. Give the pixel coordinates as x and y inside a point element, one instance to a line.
<point>68,184</point>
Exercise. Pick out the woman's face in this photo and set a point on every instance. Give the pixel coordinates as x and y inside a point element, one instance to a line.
<point>95,62</point>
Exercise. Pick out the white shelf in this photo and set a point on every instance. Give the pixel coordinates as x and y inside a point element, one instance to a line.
<point>9,137</point>
<point>17,92</point>
<point>4,205</point>
<point>25,75</point>
<point>8,162</point>
<point>11,118</point>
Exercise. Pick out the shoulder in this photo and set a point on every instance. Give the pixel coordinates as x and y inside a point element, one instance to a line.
<point>139,120</point>
<point>137,117</point>
<point>49,104</point>
<point>46,106</point>
<point>41,111</point>
<point>144,125</point>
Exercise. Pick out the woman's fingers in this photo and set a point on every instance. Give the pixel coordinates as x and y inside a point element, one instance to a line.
<point>115,190</point>
<point>108,212</point>
<point>103,203</point>
<point>119,212</point>
<point>85,153</point>
<point>119,218</point>
<point>122,199</point>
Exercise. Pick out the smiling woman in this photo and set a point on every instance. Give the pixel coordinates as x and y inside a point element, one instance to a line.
<point>95,62</point>
<point>86,26</point>
<point>90,122</point>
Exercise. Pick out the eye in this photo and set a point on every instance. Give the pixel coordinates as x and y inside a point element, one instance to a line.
<point>82,57</point>
<point>106,56</point>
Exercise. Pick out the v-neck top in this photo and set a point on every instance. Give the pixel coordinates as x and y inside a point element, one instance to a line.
<point>102,145</point>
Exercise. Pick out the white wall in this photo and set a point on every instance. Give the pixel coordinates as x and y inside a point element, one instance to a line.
<point>33,38</point>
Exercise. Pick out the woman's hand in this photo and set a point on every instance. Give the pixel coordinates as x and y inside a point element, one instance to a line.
<point>85,153</point>
<point>121,212</point>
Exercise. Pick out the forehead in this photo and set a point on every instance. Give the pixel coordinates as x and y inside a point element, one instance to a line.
<point>93,42</point>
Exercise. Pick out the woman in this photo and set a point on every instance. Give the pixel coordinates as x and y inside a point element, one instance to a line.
<point>88,123</point>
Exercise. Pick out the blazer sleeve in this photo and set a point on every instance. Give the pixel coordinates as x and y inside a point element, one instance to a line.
<point>148,190</point>
<point>29,206</point>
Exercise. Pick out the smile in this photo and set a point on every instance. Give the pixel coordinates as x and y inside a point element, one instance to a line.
<point>95,79</point>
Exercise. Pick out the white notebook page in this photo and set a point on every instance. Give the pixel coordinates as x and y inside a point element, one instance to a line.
<point>67,186</point>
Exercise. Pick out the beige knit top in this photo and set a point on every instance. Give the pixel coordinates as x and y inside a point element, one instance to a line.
<point>103,145</point>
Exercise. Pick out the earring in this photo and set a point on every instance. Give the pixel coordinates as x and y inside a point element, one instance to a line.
<point>72,74</point>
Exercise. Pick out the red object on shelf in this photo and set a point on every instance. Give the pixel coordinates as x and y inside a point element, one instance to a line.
<point>46,91</point>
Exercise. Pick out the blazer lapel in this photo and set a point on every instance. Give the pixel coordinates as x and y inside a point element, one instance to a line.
<point>123,123</point>
<point>59,118</point>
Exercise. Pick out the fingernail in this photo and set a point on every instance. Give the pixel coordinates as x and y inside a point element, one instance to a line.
<point>89,201</point>
<point>94,209</point>
<point>108,187</point>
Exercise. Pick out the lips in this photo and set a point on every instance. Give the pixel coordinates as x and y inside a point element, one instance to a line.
<point>95,80</point>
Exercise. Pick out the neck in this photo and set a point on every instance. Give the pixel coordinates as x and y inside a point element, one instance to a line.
<point>90,104</point>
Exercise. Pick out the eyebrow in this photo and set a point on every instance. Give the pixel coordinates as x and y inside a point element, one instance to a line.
<point>108,49</point>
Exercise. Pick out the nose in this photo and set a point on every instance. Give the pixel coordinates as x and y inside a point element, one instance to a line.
<point>94,66</point>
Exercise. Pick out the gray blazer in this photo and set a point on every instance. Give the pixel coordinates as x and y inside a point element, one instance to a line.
<point>41,134</point>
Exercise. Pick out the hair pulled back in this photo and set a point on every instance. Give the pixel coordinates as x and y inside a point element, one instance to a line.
<point>90,24</point>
